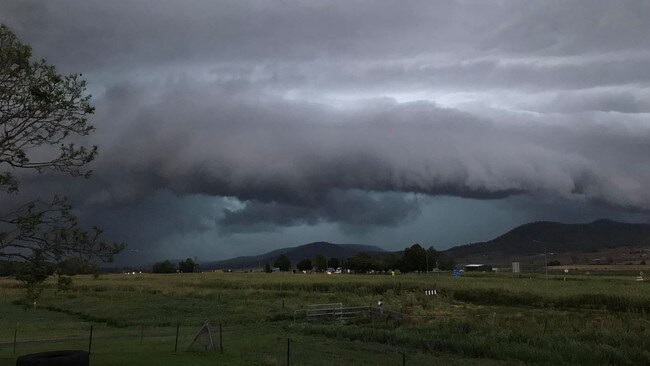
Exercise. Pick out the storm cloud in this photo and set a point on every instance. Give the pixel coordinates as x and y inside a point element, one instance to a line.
<point>242,117</point>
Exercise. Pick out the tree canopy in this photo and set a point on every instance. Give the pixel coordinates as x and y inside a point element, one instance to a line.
<point>283,263</point>
<point>187,266</point>
<point>320,263</point>
<point>41,112</point>
<point>304,265</point>
<point>164,267</point>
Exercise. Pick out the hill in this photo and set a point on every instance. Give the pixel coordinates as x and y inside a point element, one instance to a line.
<point>533,238</point>
<point>330,250</point>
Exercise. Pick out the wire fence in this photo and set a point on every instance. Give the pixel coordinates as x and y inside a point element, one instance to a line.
<point>267,344</point>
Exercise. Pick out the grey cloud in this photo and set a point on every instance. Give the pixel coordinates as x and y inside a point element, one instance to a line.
<point>246,116</point>
<point>622,101</point>
<point>353,210</point>
<point>256,147</point>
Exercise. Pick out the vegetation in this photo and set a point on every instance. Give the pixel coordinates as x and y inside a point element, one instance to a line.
<point>164,267</point>
<point>333,263</point>
<point>283,263</point>
<point>479,318</point>
<point>41,111</point>
<point>187,266</point>
<point>304,265</point>
<point>320,263</point>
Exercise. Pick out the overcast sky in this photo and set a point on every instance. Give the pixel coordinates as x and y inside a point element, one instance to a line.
<point>235,127</point>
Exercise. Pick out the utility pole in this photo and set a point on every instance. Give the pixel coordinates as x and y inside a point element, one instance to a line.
<point>545,259</point>
<point>426,255</point>
<point>545,262</point>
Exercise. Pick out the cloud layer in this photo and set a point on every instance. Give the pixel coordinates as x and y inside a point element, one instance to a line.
<point>352,113</point>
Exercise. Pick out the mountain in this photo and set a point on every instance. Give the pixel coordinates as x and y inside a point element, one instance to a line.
<point>535,237</point>
<point>329,250</point>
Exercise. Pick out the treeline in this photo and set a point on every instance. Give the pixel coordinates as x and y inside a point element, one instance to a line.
<point>186,266</point>
<point>413,259</point>
<point>68,267</point>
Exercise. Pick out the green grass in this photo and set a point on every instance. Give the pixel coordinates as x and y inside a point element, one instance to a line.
<point>488,319</point>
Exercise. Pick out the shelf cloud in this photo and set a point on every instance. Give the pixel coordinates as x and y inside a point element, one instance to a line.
<point>349,113</point>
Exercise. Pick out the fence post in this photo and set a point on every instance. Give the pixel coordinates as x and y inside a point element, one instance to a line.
<point>141,334</point>
<point>403,359</point>
<point>545,324</point>
<point>90,340</point>
<point>176,342</point>
<point>220,340</point>
<point>288,345</point>
<point>15,335</point>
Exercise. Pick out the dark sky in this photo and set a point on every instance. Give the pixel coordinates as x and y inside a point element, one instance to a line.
<point>234,127</point>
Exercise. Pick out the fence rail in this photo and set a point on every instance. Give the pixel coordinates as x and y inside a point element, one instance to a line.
<point>336,312</point>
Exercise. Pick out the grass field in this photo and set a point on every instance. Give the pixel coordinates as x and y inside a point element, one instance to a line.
<point>483,319</point>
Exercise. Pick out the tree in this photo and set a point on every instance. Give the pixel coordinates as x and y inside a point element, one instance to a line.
<point>446,262</point>
<point>186,266</point>
<point>333,263</point>
<point>283,263</point>
<point>304,265</point>
<point>320,263</point>
<point>164,267</point>
<point>76,265</point>
<point>362,262</point>
<point>41,110</point>
<point>414,259</point>
<point>267,268</point>
<point>390,261</point>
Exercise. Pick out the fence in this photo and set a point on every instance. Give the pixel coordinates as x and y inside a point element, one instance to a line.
<point>258,343</point>
<point>336,311</point>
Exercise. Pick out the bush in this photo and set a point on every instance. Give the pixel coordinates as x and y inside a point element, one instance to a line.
<point>64,283</point>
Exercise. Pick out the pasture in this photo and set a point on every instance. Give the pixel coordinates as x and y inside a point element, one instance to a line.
<point>482,319</point>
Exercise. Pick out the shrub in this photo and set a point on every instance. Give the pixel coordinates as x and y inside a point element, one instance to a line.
<point>64,283</point>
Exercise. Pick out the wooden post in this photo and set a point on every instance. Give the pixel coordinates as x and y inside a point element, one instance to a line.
<point>220,340</point>
<point>90,340</point>
<point>288,345</point>
<point>403,359</point>
<point>141,334</point>
<point>545,324</point>
<point>176,342</point>
<point>15,336</point>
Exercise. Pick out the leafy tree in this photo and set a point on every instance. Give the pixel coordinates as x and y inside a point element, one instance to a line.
<point>390,261</point>
<point>333,263</point>
<point>32,274</point>
<point>164,267</point>
<point>187,266</point>
<point>320,263</point>
<point>445,262</point>
<point>362,262</point>
<point>267,268</point>
<point>41,110</point>
<point>64,283</point>
<point>76,265</point>
<point>283,263</point>
<point>414,259</point>
<point>304,265</point>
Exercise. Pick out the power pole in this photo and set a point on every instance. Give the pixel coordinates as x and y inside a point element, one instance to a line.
<point>545,259</point>
<point>545,262</point>
<point>426,255</point>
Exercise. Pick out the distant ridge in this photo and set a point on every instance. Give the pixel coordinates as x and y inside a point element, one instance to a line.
<point>532,238</point>
<point>330,250</point>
